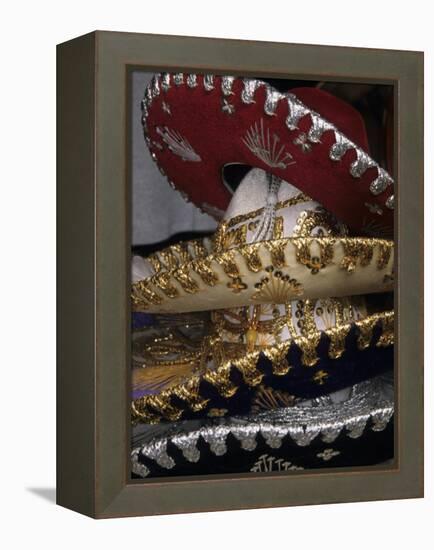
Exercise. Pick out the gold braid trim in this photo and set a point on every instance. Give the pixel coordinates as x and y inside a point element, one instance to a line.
<point>227,261</point>
<point>162,404</point>
<point>247,366</point>
<point>357,251</point>
<point>189,392</point>
<point>182,276</point>
<point>383,255</point>
<point>252,258</point>
<point>387,336</point>
<point>155,262</point>
<point>277,252</point>
<point>220,379</point>
<point>354,252</point>
<point>304,255</point>
<point>241,218</point>
<point>337,342</point>
<point>199,249</point>
<point>169,258</point>
<point>218,239</point>
<point>365,332</point>
<point>142,290</point>
<point>163,282</point>
<point>278,359</point>
<point>145,409</point>
<point>203,269</point>
<point>182,252</point>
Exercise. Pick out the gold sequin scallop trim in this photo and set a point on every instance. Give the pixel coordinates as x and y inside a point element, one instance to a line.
<point>156,407</point>
<point>357,252</point>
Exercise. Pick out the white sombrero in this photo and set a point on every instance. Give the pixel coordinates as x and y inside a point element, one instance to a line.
<point>274,245</point>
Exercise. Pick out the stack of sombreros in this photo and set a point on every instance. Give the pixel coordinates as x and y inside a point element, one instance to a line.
<point>270,344</point>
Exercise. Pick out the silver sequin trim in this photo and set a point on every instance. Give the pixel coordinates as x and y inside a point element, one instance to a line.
<point>369,402</point>
<point>340,147</point>
<point>155,87</point>
<point>178,79</point>
<point>296,111</point>
<point>381,183</point>
<point>390,203</point>
<point>227,82</point>
<point>272,99</point>
<point>249,88</point>
<point>192,81</point>
<point>319,126</point>
<point>165,82</point>
<point>208,82</point>
<point>361,164</point>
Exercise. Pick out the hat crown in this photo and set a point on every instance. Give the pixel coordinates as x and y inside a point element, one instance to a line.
<point>264,207</point>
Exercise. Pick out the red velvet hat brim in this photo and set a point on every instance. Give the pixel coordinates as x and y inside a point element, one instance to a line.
<point>195,125</point>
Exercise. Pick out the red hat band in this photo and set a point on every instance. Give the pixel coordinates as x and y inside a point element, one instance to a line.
<point>195,125</point>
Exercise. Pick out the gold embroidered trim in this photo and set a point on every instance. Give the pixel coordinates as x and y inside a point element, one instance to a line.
<point>142,289</point>
<point>168,258</point>
<point>163,282</point>
<point>203,269</point>
<point>278,228</point>
<point>181,249</point>
<point>318,219</point>
<point>226,260</point>
<point>234,238</point>
<point>383,255</point>
<point>354,252</point>
<point>313,252</point>
<point>188,284</point>
<point>252,259</point>
<point>241,218</point>
<point>314,263</point>
<point>155,262</point>
<point>277,252</point>
<point>199,249</point>
<point>153,408</point>
<point>277,288</point>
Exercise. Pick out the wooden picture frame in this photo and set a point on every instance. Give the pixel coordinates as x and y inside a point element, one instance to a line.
<point>93,274</point>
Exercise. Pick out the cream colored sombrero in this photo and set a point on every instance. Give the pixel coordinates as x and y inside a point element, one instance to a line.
<point>274,245</point>
<point>282,284</point>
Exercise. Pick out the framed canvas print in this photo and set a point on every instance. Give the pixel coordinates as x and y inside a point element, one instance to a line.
<point>240,274</point>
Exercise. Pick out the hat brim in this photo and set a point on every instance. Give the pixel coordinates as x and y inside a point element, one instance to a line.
<point>358,431</point>
<point>195,125</point>
<point>274,271</point>
<point>209,373</point>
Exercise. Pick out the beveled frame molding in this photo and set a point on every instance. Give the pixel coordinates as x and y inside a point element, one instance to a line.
<point>93,274</point>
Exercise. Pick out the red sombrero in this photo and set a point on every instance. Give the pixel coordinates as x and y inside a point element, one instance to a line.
<point>195,125</point>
